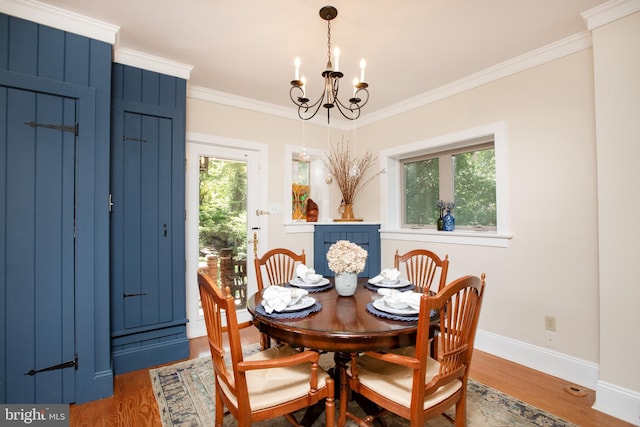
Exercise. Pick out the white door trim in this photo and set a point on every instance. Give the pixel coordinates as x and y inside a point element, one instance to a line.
<point>256,154</point>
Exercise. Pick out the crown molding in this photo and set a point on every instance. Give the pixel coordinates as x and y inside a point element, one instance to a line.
<point>543,55</point>
<point>609,12</point>
<point>152,63</point>
<point>64,20</point>
<point>548,53</point>
<point>61,19</point>
<point>224,98</point>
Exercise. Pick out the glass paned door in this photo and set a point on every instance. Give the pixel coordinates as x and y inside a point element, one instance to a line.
<point>224,191</point>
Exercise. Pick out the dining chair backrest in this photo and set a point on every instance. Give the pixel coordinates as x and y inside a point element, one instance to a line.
<point>421,267</point>
<point>296,380</point>
<point>409,382</point>
<point>279,264</point>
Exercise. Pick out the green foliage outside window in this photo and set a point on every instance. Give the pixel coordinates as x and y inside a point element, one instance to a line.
<point>223,206</point>
<point>472,180</point>
<point>422,191</point>
<point>475,187</point>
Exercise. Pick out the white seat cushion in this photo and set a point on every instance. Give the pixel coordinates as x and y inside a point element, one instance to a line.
<point>395,381</point>
<point>270,387</point>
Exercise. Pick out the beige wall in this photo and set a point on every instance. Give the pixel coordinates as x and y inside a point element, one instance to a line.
<point>551,262</point>
<point>617,96</point>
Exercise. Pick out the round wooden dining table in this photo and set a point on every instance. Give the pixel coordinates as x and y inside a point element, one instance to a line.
<point>342,325</point>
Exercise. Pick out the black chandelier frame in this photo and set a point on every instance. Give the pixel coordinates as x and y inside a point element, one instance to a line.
<point>329,97</point>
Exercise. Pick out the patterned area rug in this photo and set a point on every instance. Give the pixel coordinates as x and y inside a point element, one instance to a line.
<point>185,395</point>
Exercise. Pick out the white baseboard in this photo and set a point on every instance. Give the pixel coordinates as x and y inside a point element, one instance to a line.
<point>610,399</point>
<point>618,402</point>
<point>541,359</point>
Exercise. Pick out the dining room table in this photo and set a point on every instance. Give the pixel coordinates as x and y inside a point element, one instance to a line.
<point>338,324</point>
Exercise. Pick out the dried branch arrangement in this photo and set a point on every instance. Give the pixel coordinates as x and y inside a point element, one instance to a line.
<point>348,172</point>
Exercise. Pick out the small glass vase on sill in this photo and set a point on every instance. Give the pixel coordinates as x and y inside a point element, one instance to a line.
<point>449,222</point>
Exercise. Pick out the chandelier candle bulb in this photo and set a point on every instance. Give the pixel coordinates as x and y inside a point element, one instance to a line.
<point>363,65</point>
<point>336,58</point>
<point>296,62</point>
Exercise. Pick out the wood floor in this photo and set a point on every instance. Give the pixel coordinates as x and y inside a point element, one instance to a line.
<point>133,403</point>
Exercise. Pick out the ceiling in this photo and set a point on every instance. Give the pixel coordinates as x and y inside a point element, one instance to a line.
<point>246,48</point>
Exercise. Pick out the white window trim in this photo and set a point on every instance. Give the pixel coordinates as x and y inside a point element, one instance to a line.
<point>391,207</point>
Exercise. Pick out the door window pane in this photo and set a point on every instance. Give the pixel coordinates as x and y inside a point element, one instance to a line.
<point>223,221</point>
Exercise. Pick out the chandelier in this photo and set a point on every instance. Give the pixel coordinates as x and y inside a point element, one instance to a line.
<point>332,75</point>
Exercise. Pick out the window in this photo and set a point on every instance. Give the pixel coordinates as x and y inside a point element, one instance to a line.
<point>300,189</point>
<point>464,177</point>
<point>305,172</point>
<point>453,168</point>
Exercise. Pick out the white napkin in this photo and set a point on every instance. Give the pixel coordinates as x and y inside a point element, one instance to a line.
<point>396,299</point>
<point>277,298</point>
<point>386,274</point>
<point>302,271</point>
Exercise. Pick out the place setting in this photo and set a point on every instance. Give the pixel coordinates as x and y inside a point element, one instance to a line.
<point>396,305</point>
<point>307,278</point>
<point>287,303</point>
<point>389,278</point>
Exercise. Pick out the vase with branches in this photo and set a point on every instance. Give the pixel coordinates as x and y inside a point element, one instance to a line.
<point>349,174</point>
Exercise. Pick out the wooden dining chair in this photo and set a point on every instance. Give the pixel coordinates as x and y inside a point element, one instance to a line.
<point>410,383</point>
<point>421,267</point>
<point>266,385</point>
<point>279,264</point>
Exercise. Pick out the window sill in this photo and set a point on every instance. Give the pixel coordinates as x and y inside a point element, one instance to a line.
<point>474,238</point>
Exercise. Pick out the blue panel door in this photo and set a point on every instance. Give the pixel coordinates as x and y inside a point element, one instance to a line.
<point>142,291</point>
<point>37,283</point>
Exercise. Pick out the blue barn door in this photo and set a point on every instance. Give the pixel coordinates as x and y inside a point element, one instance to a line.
<point>37,254</point>
<point>142,226</point>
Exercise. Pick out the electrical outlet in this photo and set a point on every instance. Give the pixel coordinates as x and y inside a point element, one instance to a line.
<point>550,323</point>
<point>550,339</point>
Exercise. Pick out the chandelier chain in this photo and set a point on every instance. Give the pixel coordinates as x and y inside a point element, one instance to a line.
<point>328,42</point>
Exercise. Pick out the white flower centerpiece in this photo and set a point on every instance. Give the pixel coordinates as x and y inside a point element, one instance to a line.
<point>346,260</point>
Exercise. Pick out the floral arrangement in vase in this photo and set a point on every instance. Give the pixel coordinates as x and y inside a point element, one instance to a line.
<point>346,257</point>
<point>349,174</point>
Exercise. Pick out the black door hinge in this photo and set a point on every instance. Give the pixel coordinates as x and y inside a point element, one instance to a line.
<point>65,128</point>
<point>70,364</point>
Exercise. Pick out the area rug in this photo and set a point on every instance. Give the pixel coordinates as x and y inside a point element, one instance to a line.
<point>185,394</point>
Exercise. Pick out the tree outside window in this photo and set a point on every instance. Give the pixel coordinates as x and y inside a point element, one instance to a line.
<point>465,176</point>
